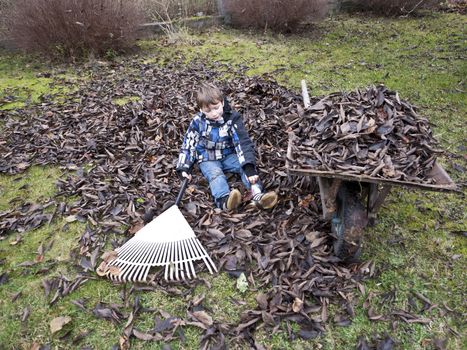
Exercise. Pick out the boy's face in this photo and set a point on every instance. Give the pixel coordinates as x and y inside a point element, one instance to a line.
<point>213,111</point>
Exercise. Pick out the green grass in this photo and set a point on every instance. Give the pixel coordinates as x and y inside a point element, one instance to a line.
<point>35,185</point>
<point>124,100</point>
<point>417,246</point>
<point>26,80</point>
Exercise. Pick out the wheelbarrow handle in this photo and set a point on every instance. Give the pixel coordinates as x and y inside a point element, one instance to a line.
<point>182,191</point>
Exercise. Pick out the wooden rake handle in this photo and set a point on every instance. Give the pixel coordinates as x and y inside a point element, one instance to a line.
<point>182,191</point>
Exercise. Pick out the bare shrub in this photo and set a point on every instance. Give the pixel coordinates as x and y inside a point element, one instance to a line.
<point>160,11</point>
<point>392,7</point>
<point>181,8</point>
<point>74,28</point>
<point>277,15</point>
<point>5,6</point>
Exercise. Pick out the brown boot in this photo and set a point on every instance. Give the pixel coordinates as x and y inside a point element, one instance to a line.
<point>232,201</point>
<point>264,200</point>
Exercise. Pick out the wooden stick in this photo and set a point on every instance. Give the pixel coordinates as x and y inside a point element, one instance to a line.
<point>306,97</point>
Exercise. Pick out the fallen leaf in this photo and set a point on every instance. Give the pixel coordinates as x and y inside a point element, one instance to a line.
<point>297,305</point>
<point>203,317</point>
<point>58,323</point>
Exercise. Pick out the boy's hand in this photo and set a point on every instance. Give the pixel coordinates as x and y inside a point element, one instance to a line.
<point>188,176</point>
<point>253,179</point>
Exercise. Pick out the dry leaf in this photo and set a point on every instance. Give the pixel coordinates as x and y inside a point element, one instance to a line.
<point>110,255</point>
<point>203,317</point>
<point>297,305</point>
<point>57,323</point>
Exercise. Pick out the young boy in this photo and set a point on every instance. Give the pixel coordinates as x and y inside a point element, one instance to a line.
<point>218,141</point>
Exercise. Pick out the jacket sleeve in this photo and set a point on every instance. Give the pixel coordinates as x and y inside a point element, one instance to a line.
<point>187,156</point>
<point>244,147</point>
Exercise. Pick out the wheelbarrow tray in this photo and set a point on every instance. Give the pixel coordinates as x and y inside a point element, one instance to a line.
<point>441,177</point>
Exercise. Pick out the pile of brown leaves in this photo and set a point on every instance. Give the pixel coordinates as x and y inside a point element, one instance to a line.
<point>371,132</point>
<point>120,162</point>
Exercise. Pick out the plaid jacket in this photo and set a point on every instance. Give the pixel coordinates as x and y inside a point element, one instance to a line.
<point>212,140</point>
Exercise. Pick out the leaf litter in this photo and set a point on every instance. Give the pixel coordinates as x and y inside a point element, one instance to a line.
<point>121,163</point>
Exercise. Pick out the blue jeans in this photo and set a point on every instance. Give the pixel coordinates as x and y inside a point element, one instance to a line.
<point>213,171</point>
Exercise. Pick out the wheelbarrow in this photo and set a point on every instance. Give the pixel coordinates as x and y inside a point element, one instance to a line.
<point>351,202</point>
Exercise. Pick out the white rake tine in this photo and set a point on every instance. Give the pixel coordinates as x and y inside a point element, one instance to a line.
<point>168,251</point>
<point>124,272</point>
<point>111,277</point>
<point>145,275</point>
<point>174,261</point>
<point>188,260</point>
<point>204,256</point>
<point>212,262</point>
<point>156,252</point>
<point>150,262</point>
<point>165,252</point>
<point>131,271</point>
<point>124,253</point>
<point>125,276</point>
<point>141,272</point>
<point>199,252</point>
<point>128,247</point>
<point>207,255</point>
<point>176,258</point>
<point>192,268</point>
<point>183,258</point>
<point>150,254</point>
<point>142,254</point>
<point>166,272</point>
<point>145,261</point>
<point>171,259</point>
<point>192,256</point>
<point>193,251</point>
<point>140,262</point>
<point>159,254</point>
<point>180,260</point>
<point>115,278</point>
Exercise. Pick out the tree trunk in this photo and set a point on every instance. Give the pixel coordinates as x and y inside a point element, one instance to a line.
<point>223,11</point>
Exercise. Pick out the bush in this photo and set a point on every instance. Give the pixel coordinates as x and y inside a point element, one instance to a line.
<point>74,28</point>
<point>392,7</point>
<point>181,8</point>
<point>5,5</point>
<point>277,15</point>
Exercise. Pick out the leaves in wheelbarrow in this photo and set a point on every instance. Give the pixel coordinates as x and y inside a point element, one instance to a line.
<point>367,132</point>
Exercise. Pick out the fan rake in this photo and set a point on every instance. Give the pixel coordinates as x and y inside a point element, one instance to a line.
<point>168,240</point>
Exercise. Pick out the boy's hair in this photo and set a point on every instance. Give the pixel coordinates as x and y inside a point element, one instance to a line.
<point>208,94</point>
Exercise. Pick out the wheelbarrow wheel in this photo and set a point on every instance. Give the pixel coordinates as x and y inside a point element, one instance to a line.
<point>348,222</point>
